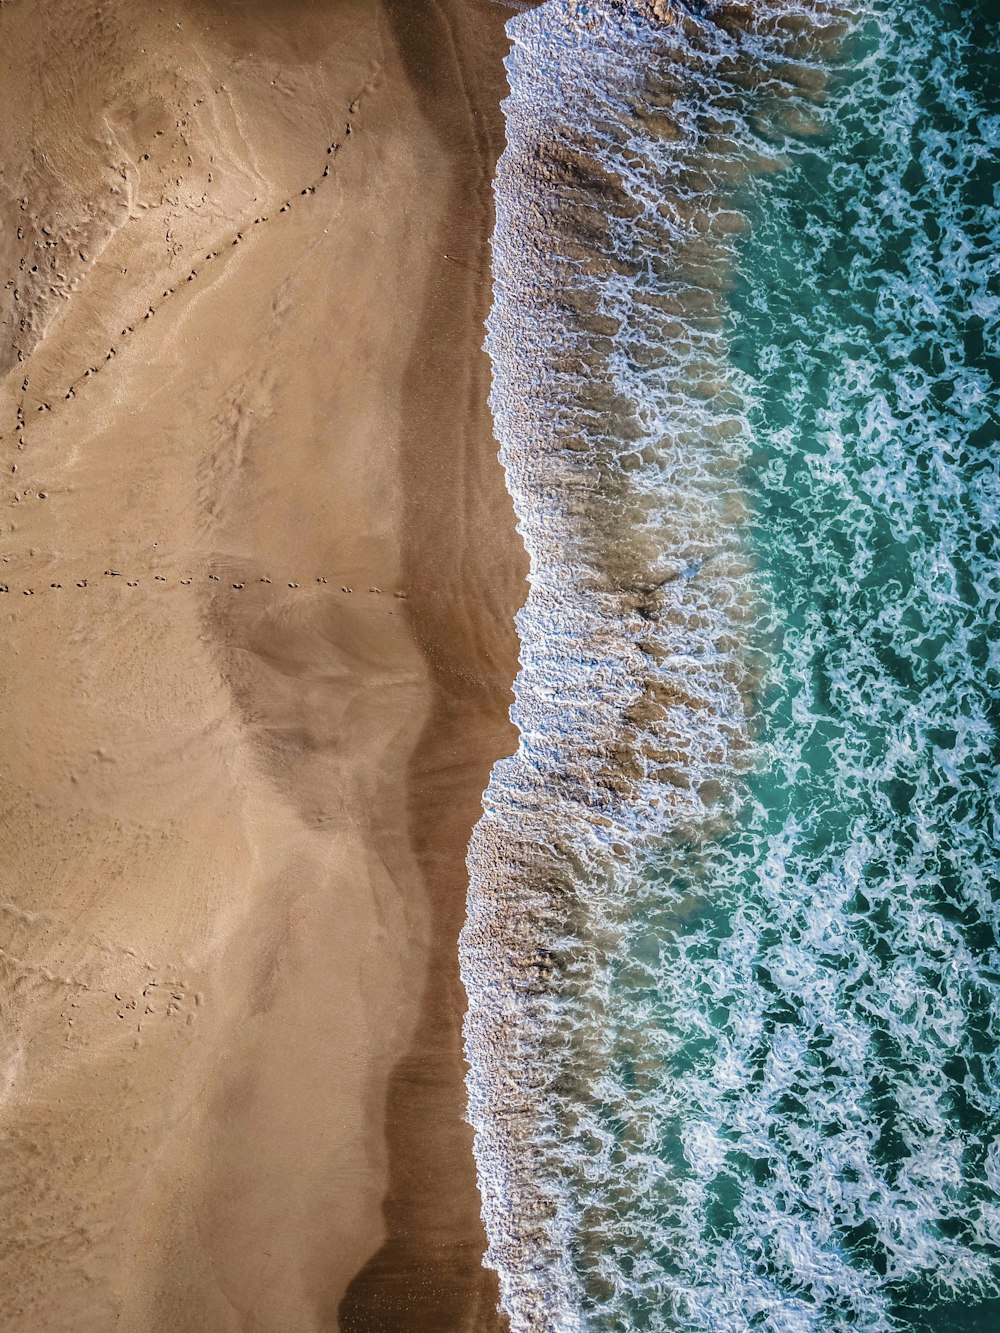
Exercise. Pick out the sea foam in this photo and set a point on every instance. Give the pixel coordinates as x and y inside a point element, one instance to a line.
<point>733,946</point>
<point>622,429</point>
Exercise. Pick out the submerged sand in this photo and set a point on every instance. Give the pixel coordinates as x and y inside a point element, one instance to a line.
<point>257,649</point>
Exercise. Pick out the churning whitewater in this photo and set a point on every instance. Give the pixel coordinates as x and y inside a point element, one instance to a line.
<point>732,942</point>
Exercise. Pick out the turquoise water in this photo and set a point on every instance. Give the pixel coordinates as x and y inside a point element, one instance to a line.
<point>754,1074</point>
<point>868,873</point>
<point>828,1011</point>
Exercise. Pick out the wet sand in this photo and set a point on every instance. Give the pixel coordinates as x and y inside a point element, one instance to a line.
<point>260,569</point>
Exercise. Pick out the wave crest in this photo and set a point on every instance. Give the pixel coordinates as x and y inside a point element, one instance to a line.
<point>623,432</point>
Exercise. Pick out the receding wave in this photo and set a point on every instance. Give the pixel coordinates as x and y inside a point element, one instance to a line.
<point>622,430</point>
<point>701,943</point>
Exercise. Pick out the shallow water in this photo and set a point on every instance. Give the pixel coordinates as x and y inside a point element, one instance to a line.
<point>733,952</point>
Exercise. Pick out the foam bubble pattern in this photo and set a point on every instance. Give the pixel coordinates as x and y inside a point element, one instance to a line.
<point>733,1031</point>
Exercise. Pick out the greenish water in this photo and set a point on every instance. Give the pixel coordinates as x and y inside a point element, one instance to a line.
<point>861,1163</point>
<point>833,1092</point>
<point>804,1093</point>
<point>767,1061</point>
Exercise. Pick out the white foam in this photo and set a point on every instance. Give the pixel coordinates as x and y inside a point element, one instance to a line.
<point>621,431</point>
<point>717,1093</point>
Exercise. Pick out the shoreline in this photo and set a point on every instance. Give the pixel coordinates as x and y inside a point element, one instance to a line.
<point>430,1270</point>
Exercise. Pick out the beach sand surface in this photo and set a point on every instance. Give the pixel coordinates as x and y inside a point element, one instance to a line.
<point>260,570</point>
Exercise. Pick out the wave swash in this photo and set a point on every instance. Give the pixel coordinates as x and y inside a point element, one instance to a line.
<point>732,941</point>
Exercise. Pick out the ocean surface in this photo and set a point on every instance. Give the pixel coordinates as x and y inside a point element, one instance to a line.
<point>733,939</point>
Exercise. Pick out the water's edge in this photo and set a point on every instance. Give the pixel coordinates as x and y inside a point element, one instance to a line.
<point>622,431</point>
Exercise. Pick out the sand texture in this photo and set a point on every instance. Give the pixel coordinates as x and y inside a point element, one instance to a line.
<point>259,569</point>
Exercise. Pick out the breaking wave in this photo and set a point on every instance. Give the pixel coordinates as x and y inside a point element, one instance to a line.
<point>732,941</point>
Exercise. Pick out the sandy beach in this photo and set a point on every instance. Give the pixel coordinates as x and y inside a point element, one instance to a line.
<point>259,573</point>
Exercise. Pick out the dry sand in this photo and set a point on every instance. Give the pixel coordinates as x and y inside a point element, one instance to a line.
<point>257,649</point>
